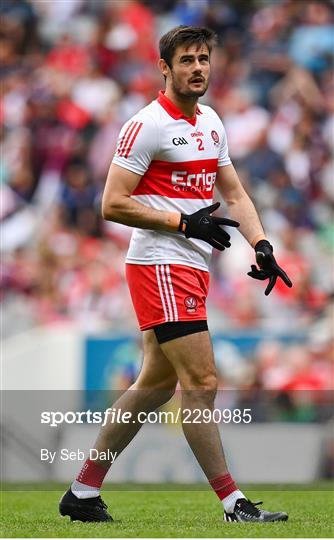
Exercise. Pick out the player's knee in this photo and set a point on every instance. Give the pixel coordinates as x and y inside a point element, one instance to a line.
<point>165,394</point>
<point>165,389</point>
<point>206,381</point>
<point>209,383</point>
<point>157,396</point>
<point>160,390</point>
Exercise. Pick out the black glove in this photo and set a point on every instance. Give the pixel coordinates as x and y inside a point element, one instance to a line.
<point>269,268</point>
<point>202,225</point>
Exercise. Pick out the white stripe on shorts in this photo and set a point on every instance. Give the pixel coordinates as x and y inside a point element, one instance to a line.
<point>161,293</point>
<point>167,294</point>
<point>169,281</point>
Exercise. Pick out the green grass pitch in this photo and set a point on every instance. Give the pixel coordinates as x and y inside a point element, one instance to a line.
<point>167,513</point>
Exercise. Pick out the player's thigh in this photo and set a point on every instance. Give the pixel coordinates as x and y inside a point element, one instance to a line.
<point>193,360</point>
<point>157,371</point>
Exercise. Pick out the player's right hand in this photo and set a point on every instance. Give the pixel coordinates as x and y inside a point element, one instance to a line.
<point>202,225</point>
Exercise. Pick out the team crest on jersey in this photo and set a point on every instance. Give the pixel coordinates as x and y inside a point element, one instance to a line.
<point>215,137</point>
<point>191,304</point>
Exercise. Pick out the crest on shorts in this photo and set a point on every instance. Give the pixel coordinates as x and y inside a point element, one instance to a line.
<point>215,137</point>
<point>191,304</point>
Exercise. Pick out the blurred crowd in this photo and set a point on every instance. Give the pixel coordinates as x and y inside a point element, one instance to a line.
<point>73,71</point>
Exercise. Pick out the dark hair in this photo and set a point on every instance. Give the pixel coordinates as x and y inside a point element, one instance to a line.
<point>186,36</point>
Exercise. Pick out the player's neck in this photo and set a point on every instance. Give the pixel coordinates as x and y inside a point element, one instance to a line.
<point>187,105</point>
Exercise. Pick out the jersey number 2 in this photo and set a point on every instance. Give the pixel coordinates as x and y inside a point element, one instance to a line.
<point>200,144</point>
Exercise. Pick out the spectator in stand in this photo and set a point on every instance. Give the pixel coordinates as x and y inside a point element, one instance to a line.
<point>79,199</point>
<point>311,44</point>
<point>268,55</point>
<point>245,121</point>
<point>263,161</point>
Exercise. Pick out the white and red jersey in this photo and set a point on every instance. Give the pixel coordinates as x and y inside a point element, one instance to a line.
<point>178,159</point>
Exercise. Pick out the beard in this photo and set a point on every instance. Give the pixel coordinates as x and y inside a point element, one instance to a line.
<point>187,93</point>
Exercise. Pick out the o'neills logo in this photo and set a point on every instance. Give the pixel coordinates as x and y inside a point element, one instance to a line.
<point>191,304</point>
<point>203,181</point>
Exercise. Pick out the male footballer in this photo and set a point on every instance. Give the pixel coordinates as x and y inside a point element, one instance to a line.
<point>168,160</point>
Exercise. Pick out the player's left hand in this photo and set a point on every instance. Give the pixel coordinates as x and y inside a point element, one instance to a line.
<point>268,267</point>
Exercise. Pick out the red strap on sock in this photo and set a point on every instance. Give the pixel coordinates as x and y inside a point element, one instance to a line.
<point>223,485</point>
<point>92,474</point>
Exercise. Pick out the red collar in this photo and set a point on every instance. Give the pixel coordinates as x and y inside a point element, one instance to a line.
<point>174,111</point>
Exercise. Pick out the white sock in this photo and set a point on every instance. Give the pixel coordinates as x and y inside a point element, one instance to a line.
<point>82,491</point>
<point>231,499</point>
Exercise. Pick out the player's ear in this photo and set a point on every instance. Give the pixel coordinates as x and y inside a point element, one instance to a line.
<point>163,66</point>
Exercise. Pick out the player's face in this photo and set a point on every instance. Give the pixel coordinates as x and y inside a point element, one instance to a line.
<point>189,75</point>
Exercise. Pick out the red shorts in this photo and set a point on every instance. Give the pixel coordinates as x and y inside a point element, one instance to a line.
<point>167,292</point>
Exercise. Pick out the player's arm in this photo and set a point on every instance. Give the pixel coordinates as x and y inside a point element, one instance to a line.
<point>242,209</point>
<point>240,206</point>
<point>137,145</point>
<point>119,206</point>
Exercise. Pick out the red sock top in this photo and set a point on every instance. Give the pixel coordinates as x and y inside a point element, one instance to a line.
<point>92,474</point>
<point>223,485</point>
